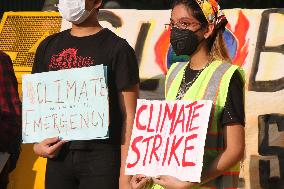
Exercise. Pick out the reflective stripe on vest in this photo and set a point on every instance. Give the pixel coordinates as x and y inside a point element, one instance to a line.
<point>173,74</point>
<point>213,85</point>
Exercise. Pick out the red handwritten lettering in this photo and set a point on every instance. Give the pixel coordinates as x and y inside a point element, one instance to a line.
<point>187,148</point>
<point>166,151</point>
<point>155,148</point>
<point>147,140</point>
<point>175,146</point>
<point>170,114</point>
<point>190,106</point>
<point>180,119</point>
<point>150,120</point>
<point>159,118</point>
<point>136,150</point>
<point>138,114</point>
<point>194,116</point>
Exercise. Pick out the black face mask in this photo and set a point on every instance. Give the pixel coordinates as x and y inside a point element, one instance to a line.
<point>183,41</point>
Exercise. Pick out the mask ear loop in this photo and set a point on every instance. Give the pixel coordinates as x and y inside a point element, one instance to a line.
<point>92,10</point>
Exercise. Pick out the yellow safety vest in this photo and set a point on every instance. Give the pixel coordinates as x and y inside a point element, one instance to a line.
<point>211,84</point>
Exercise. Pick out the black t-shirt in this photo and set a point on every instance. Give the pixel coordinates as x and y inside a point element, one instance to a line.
<point>64,51</point>
<point>234,107</point>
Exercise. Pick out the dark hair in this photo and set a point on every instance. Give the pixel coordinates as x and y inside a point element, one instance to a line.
<point>215,43</point>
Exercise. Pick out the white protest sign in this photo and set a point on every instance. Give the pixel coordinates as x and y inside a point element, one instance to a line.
<point>168,138</point>
<point>72,104</point>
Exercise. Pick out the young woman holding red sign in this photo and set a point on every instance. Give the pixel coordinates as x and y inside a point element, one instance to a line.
<point>98,163</point>
<point>197,28</point>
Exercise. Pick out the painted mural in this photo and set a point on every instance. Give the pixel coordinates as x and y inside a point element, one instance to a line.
<point>255,40</point>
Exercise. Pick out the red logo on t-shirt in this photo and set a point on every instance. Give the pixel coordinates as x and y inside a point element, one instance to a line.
<point>68,59</point>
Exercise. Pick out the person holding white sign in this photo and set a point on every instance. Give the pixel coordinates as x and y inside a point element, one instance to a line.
<point>93,163</point>
<point>197,28</point>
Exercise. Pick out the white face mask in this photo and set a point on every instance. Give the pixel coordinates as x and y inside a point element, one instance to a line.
<point>73,10</point>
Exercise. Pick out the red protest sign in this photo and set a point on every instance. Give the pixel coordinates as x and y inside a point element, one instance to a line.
<point>168,138</point>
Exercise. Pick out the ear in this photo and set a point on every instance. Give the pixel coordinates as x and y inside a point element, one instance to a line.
<point>209,31</point>
<point>98,4</point>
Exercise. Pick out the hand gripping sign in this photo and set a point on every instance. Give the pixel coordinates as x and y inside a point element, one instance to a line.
<point>168,138</point>
<point>72,104</point>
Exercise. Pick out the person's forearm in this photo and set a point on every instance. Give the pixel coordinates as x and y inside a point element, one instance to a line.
<point>124,180</point>
<point>222,163</point>
<point>128,101</point>
<point>234,139</point>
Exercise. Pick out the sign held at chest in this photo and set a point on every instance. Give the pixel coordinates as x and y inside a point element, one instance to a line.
<point>168,138</point>
<point>72,104</point>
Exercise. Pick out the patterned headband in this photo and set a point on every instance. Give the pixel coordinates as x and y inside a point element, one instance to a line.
<point>212,12</point>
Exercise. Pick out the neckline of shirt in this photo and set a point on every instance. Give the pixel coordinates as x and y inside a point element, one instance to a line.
<point>96,35</point>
